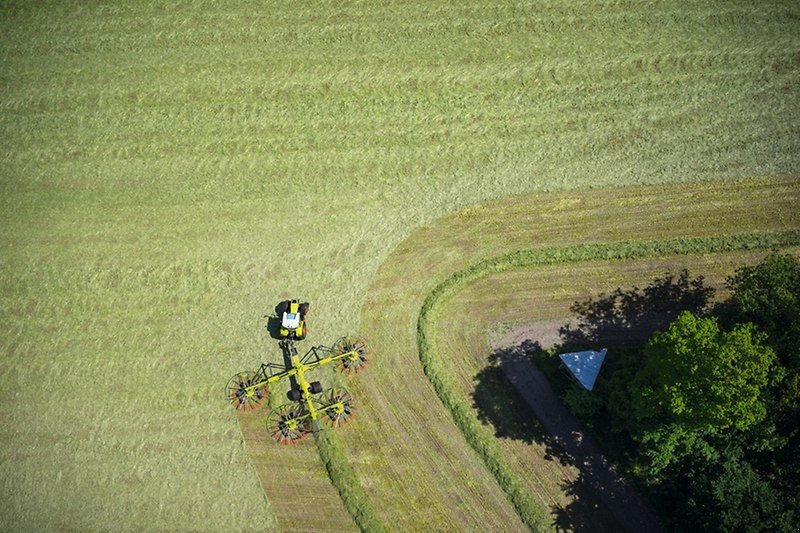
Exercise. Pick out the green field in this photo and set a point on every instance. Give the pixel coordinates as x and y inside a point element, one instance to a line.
<point>170,171</point>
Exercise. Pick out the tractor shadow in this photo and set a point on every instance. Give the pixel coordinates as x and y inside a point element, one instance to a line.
<point>274,321</point>
<point>274,326</point>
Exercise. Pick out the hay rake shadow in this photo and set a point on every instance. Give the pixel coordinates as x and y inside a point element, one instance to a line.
<point>291,422</point>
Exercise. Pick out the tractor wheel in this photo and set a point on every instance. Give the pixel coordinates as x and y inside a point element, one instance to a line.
<point>288,423</point>
<point>282,308</point>
<point>302,331</point>
<point>294,395</point>
<point>338,406</point>
<point>357,360</point>
<point>241,396</point>
<point>304,307</point>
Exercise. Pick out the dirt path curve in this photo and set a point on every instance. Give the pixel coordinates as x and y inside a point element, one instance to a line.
<point>627,507</point>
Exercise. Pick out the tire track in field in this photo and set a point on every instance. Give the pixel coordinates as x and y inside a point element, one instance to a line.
<point>294,480</point>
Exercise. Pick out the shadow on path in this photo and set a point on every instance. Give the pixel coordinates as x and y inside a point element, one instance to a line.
<point>532,412</point>
<point>566,440</point>
<point>579,514</point>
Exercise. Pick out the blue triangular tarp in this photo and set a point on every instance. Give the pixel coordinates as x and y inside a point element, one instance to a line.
<point>584,366</point>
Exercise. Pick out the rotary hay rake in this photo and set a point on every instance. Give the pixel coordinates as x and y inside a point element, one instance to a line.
<point>290,423</point>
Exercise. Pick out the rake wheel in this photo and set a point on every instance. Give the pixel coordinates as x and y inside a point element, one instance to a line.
<point>338,407</point>
<point>358,360</point>
<point>288,424</point>
<point>239,395</point>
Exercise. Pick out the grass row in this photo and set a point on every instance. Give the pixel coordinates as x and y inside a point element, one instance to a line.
<point>346,482</point>
<point>479,437</point>
<point>313,98</point>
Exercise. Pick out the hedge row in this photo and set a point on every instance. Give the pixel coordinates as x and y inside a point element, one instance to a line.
<point>478,436</point>
<point>346,482</point>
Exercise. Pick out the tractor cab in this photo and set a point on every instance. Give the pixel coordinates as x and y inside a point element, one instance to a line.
<point>290,320</point>
<point>293,319</point>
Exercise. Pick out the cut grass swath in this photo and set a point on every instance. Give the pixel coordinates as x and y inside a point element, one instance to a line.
<point>346,482</point>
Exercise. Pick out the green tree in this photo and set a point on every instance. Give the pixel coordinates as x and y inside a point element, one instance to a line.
<point>728,495</point>
<point>701,379</point>
<point>768,295</point>
<point>666,450</point>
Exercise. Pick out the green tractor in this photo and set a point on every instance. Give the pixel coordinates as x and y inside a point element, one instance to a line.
<point>292,315</point>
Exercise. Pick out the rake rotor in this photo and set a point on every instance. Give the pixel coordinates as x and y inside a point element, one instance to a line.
<point>290,423</point>
<point>356,359</point>
<point>243,394</point>
<point>338,407</point>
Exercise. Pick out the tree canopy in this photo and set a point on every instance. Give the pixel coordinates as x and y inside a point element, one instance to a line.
<point>706,413</point>
<point>701,378</point>
<point>768,295</point>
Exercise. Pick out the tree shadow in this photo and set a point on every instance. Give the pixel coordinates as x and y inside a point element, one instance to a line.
<point>616,320</point>
<point>499,404</point>
<point>523,401</point>
<point>583,513</point>
<point>632,315</point>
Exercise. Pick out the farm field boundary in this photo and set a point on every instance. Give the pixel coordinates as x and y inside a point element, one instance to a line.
<point>171,170</point>
<point>403,442</point>
<point>479,437</point>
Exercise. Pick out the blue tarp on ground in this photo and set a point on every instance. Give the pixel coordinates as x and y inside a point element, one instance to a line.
<point>584,366</point>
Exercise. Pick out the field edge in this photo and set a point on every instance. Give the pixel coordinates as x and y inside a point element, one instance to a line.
<point>478,437</point>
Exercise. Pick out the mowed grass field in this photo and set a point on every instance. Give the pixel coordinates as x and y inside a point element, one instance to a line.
<point>170,171</point>
<point>398,397</point>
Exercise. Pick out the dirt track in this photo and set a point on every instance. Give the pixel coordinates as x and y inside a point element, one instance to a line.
<point>627,507</point>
